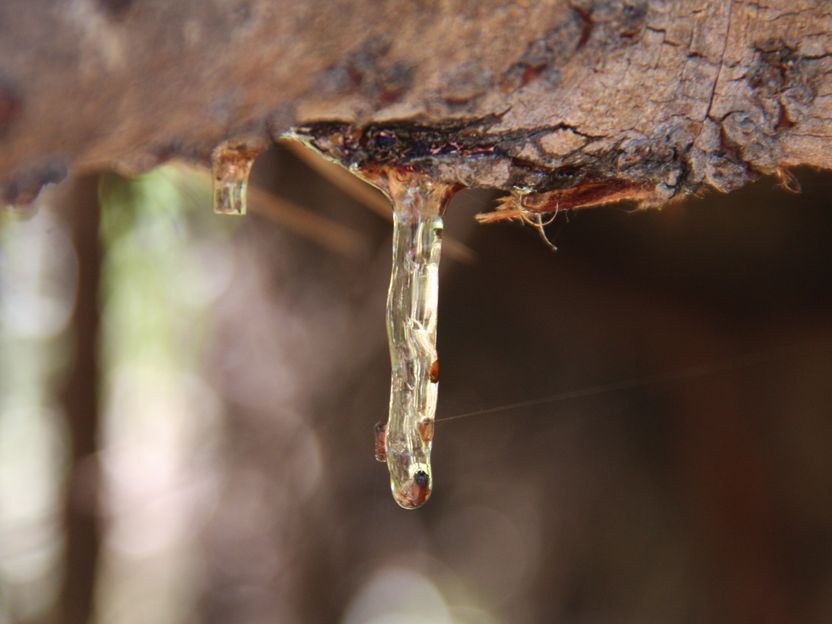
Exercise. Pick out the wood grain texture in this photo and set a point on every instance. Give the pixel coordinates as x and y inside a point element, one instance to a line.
<point>664,97</point>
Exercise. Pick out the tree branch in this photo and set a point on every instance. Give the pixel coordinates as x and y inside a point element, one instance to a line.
<point>593,100</point>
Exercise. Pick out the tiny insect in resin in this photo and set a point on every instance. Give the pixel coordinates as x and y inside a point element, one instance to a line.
<point>231,164</point>
<point>426,430</point>
<point>434,372</point>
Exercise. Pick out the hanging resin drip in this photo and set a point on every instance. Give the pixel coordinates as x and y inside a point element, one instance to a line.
<point>230,167</point>
<point>411,330</point>
<point>404,442</point>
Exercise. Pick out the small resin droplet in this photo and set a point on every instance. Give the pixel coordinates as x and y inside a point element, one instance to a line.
<point>230,167</point>
<point>412,303</point>
<point>379,436</point>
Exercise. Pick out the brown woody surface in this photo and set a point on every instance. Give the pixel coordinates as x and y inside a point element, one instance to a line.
<point>590,101</point>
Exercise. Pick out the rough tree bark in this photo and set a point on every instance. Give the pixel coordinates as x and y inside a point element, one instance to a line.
<point>587,101</point>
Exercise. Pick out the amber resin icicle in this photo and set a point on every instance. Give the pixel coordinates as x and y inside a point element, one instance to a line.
<point>411,330</point>
<point>404,442</point>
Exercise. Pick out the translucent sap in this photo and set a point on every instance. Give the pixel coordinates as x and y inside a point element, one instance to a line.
<point>230,167</point>
<point>404,443</point>
<point>411,330</point>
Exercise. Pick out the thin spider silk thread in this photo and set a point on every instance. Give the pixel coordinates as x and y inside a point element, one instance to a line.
<point>683,374</point>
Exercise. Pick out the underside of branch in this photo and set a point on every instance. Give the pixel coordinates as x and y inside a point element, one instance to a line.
<point>565,103</point>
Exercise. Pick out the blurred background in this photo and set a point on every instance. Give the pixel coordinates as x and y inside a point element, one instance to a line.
<point>187,401</point>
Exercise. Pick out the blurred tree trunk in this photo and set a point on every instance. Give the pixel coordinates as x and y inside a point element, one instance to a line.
<point>80,403</point>
<point>606,99</point>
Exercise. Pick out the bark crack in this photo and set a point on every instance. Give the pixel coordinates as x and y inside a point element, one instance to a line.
<point>726,38</point>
